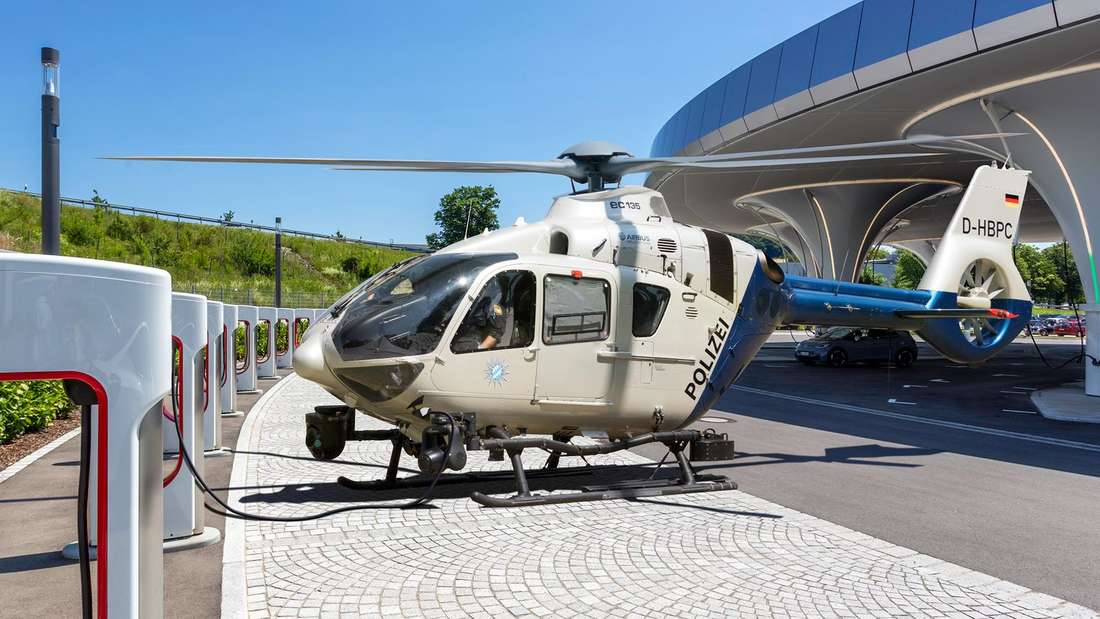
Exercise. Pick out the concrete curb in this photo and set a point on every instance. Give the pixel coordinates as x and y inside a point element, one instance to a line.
<point>1067,402</point>
<point>234,583</point>
<point>29,459</point>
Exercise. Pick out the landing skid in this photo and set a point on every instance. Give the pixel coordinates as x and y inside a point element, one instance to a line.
<point>419,481</point>
<point>499,442</point>
<point>688,482</point>
<point>625,490</point>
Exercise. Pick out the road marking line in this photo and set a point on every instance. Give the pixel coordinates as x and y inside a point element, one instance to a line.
<point>914,386</point>
<point>939,380</point>
<point>1013,410</point>
<point>932,422</point>
<point>1004,375</point>
<point>1026,388</point>
<point>1015,392</point>
<point>897,401</point>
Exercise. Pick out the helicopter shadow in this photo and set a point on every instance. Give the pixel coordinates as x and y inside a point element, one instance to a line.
<point>851,454</point>
<point>454,486</point>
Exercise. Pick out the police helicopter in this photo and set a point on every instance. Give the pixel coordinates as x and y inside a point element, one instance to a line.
<point>609,319</point>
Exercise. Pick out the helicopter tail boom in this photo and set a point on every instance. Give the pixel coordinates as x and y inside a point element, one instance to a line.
<point>971,301</point>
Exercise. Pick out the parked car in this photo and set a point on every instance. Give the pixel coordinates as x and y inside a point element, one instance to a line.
<point>1072,326</point>
<point>840,346</point>
<point>1039,326</point>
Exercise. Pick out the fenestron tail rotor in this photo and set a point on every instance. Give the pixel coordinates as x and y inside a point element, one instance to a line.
<point>597,163</point>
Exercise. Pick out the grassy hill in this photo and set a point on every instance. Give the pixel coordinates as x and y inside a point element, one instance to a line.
<point>220,261</point>
<point>225,263</point>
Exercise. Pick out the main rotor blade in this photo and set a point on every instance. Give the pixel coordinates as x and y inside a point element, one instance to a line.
<point>913,141</point>
<point>632,167</point>
<point>561,167</point>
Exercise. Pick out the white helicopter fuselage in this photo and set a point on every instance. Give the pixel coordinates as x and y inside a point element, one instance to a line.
<point>615,321</point>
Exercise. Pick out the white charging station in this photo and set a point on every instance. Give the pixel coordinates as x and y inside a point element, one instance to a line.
<point>105,325</point>
<point>227,383</point>
<point>265,366</point>
<point>214,360</point>
<point>184,515</point>
<point>303,320</point>
<point>247,317</point>
<point>283,358</point>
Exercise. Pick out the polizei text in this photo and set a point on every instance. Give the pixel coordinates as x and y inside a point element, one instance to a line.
<point>707,359</point>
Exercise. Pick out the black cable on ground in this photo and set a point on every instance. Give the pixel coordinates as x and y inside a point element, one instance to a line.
<point>82,537</point>
<point>232,512</point>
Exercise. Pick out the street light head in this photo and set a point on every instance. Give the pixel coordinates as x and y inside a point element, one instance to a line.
<point>51,72</point>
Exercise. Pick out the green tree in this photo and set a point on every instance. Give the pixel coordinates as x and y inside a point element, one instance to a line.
<point>1061,258</point>
<point>466,210</point>
<point>877,253</point>
<point>908,271</point>
<point>1043,279</point>
<point>871,276</point>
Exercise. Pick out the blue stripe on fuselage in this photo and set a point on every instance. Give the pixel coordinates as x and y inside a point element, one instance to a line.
<point>761,309</point>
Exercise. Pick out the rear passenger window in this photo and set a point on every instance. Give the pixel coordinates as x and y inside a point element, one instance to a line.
<point>650,303</point>
<point>576,309</point>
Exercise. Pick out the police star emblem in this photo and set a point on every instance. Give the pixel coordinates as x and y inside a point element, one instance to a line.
<point>496,373</point>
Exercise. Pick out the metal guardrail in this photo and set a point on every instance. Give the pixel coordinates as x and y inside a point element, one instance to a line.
<point>221,222</point>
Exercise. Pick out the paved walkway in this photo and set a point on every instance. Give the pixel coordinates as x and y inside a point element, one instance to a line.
<point>715,554</point>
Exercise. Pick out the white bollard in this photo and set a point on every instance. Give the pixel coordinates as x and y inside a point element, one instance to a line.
<point>107,326</point>
<point>227,383</point>
<point>213,359</point>
<point>184,515</point>
<point>283,357</point>
<point>265,366</point>
<point>248,316</point>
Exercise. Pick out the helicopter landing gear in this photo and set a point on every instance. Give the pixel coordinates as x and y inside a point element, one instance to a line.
<point>443,446</point>
<point>688,481</point>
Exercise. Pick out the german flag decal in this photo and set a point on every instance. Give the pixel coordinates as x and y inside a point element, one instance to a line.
<point>1012,200</point>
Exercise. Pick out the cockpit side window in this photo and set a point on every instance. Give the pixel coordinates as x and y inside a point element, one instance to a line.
<point>501,316</point>
<point>650,303</point>
<point>576,309</point>
<point>559,243</point>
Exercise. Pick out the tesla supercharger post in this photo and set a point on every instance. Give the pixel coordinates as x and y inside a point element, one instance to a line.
<point>184,515</point>
<point>283,360</point>
<point>247,316</point>
<point>105,325</point>
<point>265,366</point>
<point>213,359</point>
<point>300,327</point>
<point>227,382</point>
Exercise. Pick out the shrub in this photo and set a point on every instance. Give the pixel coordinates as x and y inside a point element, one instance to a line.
<point>29,406</point>
<point>261,340</point>
<point>118,227</point>
<point>350,264</point>
<point>79,230</point>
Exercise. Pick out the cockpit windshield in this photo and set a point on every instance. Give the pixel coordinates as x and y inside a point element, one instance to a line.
<point>406,310</point>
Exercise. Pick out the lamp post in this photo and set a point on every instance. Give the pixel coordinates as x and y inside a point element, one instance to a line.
<point>51,151</point>
<point>278,262</point>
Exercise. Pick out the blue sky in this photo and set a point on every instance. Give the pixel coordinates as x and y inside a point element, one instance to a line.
<point>484,80</point>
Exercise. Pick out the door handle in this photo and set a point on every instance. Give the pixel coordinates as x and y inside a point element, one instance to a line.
<point>530,353</point>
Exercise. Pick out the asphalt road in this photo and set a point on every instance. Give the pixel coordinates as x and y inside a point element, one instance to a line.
<point>957,466</point>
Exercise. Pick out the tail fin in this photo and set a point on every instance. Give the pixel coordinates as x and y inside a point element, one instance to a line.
<point>977,244</point>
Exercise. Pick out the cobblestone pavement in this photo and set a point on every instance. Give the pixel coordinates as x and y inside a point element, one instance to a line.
<point>712,554</point>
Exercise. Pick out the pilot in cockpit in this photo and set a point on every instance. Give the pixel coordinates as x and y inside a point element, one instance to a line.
<point>483,328</point>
